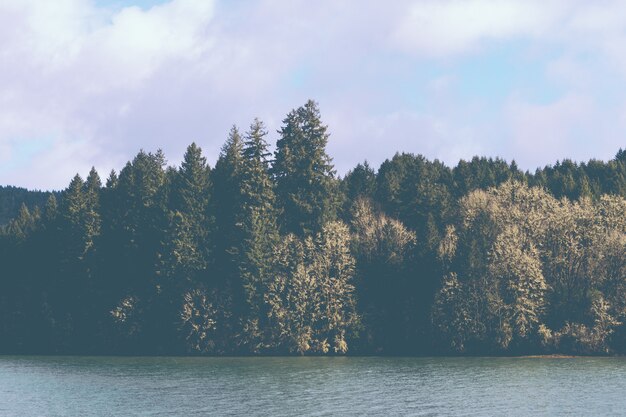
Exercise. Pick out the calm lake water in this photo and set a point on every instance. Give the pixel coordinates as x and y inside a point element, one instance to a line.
<point>106,386</point>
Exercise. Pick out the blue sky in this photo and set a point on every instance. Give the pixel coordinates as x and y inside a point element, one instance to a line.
<point>90,82</point>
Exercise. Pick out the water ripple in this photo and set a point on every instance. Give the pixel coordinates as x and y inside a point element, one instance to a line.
<point>105,386</point>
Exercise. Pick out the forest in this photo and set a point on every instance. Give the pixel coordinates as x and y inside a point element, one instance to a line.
<point>275,254</point>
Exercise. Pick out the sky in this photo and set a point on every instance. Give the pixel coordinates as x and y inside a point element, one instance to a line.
<point>91,82</point>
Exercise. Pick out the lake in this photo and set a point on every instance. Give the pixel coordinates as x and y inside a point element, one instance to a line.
<point>157,386</point>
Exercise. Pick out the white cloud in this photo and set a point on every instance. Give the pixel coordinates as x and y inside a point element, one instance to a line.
<point>546,128</point>
<point>442,28</point>
<point>573,127</point>
<point>103,83</point>
<point>444,131</point>
<point>71,71</point>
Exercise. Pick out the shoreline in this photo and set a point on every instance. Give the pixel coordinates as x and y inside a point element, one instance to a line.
<point>541,356</point>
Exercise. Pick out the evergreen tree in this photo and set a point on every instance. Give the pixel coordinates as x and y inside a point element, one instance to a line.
<point>260,234</point>
<point>191,193</point>
<point>481,258</point>
<point>228,230</point>
<point>140,228</point>
<point>303,172</point>
<point>92,306</point>
<point>77,236</point>
<point>226,205</point>
<point>72,212</point>
<point>51,209</point>
<point>186,255</point>
<point>19,286</point>
<point>21,226</point>
<point>92,221</point>
<point>359,183</point>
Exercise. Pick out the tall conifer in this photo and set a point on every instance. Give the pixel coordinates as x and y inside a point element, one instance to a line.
<point>260,233</point>
<point>303,172</point>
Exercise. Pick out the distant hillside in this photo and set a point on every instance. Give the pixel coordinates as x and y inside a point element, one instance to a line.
<point>11,199</point>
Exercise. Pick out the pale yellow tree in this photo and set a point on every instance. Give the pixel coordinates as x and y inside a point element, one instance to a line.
<point>311,301</point>
<point>531,268</point>
<point>494,292</point>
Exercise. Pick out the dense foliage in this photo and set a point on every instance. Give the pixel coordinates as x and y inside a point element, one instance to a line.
<point>12,198</point>
<point>275,254</point>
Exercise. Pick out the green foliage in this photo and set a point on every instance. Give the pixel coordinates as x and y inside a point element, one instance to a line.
<point>528,271</point>
<point>198,318</point>
<point>226,206</point>
<point>311,295</point>
<point>359,183</point>
<point>382,247</point>
<point>12,199</point>
<point>260,236</point>
<point>190,193</point>
<point>248,257</point>
<point>494,261</point>
<point>186,246</point>
<point>303,172</point>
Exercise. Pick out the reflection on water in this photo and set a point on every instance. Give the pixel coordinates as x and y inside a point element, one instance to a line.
<point>103,386</point>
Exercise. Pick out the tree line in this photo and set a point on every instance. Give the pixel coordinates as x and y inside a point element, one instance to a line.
<point>12,198</point>
<point>275,254</point>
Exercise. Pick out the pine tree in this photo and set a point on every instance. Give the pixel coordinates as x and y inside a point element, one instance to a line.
<point>67,295</point>
<point>185,251</point>
<point>303,172</point>
<point>51,209</point>
<point>191,193</point>
<point>226,206</point>
<point>189,221</point>
<point>20,227</point>
<point>260,233</point>
<point>139,230</point>
<point>91,216</point>
<point>77,239</point>
<point>359,183</point>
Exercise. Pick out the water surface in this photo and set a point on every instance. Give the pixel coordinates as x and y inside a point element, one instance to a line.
<point>113,386</point>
